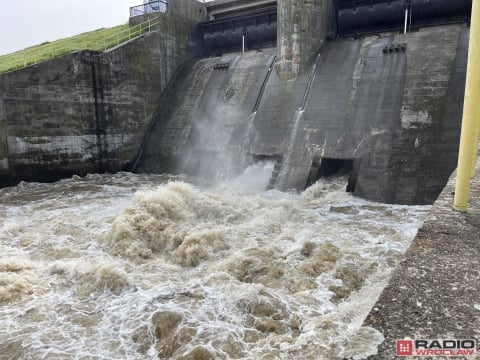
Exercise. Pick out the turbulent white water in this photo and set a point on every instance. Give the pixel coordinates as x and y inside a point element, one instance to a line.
<point>138,267</point>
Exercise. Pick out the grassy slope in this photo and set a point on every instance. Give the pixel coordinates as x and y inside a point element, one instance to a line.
<point>93,40</point>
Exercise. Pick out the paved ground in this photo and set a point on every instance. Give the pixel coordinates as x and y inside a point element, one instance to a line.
<point>435,292</point>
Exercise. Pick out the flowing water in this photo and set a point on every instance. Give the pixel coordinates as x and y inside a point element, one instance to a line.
<point>146,266</point>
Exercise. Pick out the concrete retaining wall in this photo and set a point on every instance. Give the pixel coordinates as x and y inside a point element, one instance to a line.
<point>89,111</point>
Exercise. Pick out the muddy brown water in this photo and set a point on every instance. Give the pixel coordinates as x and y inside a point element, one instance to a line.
<point>132,266</point>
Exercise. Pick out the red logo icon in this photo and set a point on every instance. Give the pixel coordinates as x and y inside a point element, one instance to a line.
<point>404,347</point>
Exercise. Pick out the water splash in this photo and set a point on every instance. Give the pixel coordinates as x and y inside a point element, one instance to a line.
<point>140,267</point>
<point>253,179</point>
<point>289,151</point>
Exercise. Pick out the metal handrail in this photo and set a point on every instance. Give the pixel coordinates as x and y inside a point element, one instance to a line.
<point>36,55</point>
<point>150,7</point>
<point>130,33</point>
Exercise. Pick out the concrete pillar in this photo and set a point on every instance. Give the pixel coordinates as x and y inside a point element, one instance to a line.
<point>301,33</point>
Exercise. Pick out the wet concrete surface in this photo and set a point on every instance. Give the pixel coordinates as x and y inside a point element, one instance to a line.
<point>435,292</point>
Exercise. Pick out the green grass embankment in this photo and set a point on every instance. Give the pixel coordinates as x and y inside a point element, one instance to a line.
<point>99,40</point>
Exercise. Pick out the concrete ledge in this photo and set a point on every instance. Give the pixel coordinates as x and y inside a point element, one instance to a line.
<point>435,292</point>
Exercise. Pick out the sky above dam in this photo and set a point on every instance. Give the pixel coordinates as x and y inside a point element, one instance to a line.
<point>25,23</point>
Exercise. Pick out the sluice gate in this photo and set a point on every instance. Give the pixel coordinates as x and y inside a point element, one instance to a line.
<point>360,17</point>
<point>253,25</point>
<point>245,30</point>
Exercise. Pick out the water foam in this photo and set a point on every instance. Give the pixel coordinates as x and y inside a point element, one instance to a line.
<point>139,267</point>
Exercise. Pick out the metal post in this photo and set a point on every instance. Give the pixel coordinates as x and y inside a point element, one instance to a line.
<point>469,121</point>
<point>243,43</point>
<point>410,17</point>
<point>475,140</point>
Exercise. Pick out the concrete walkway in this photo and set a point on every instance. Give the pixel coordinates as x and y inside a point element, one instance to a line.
<point>435,292</point>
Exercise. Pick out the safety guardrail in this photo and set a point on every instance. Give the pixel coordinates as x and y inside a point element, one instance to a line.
<point>38,54</point>
<point>150,7</point>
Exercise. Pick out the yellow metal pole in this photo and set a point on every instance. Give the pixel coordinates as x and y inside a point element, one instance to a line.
<point>477,135</point>
<point>469,123</point>
<point>475,148</point>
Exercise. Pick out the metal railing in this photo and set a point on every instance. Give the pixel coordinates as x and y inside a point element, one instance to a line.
<point>45,52</point>
<point>150,7</point>
<point>130,33</point>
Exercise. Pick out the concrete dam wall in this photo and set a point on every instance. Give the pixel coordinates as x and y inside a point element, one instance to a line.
<point>384,109</point>
<point>391,120</point>
<point>395,115</point>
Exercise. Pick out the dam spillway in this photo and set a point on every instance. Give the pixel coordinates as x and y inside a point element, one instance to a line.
<point>388,114</point>
<point>207,114</point>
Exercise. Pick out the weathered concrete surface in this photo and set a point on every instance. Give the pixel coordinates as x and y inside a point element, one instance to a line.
<point>398,114</point>
<point>89,111</point>
<point>424,152</point>
<point>435,291</point>
<point>300,34</point>
<point>274,118</point>
<point>3,142</point>
<point>204,119</point>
